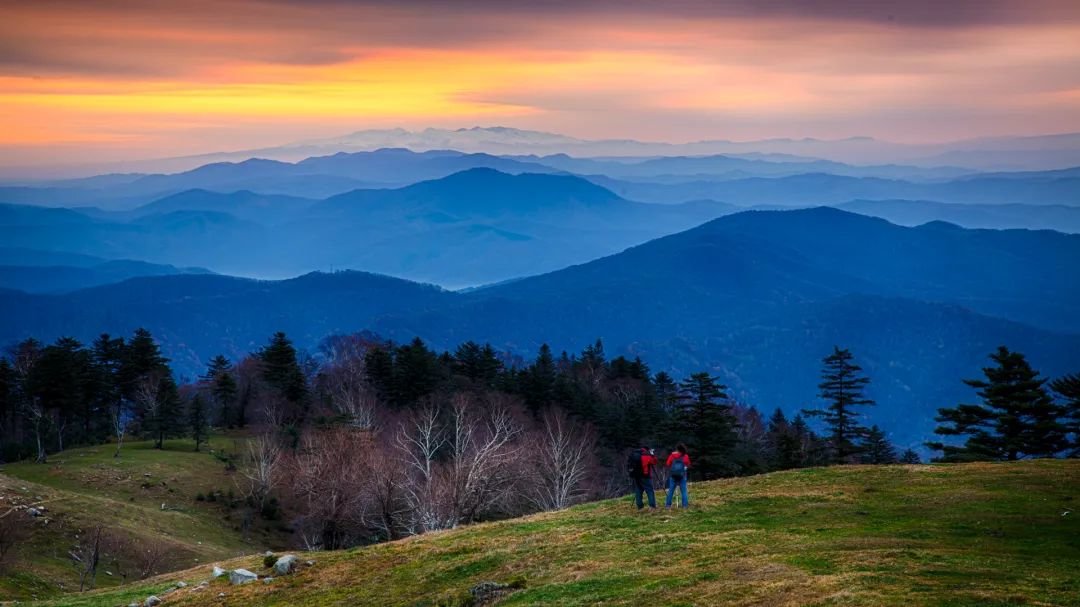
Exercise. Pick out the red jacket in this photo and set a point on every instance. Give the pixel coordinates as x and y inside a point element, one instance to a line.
<point>676,455</point>
<point>648,461</point>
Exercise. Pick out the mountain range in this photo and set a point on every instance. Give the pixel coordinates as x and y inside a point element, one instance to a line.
<point>472,227</point>
<point>754,297</point>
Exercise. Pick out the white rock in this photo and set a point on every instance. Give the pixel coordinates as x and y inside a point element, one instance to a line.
<point>217,572</point>
<point>152,601</point>
<point>181,584</point>
<point>242,576</point>
<point>285,565</point>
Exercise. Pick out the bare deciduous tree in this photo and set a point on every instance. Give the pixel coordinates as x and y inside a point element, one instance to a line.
<point>563,450</point>
<point>261,467</point>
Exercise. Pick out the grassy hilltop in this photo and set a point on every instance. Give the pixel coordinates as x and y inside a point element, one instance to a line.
<point>956,535</point>
<point>85,487</point>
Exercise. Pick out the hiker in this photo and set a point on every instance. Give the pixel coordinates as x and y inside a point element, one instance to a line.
<point>640,464</point>
<point>678,464</point>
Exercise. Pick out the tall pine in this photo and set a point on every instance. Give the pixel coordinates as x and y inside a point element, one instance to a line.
<point>704,422</point>
<point>842,386</point>
<point>1016,418</point>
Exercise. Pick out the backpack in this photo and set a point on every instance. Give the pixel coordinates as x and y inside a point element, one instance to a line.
<point>678,468</point>
<point>633,464</point>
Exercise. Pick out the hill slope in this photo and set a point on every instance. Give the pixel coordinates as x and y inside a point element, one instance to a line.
<point>960,535</point>
<point>146,496</point>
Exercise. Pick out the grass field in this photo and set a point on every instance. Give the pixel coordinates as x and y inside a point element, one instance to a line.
<point>952,535</point>
<point>146,494</point>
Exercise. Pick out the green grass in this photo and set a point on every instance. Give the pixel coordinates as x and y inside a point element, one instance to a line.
<point>86,487</point>
<point>949,535</point>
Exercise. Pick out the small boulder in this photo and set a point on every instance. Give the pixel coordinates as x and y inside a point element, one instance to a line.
<point>221,595</point>
<point>217,572</point>
<point>242,576</point>
<point>486,591</point>
<point>268,579</point>
<point>285,565</point>
<point>152,601</point>
<point>34,512</point>
<point>181,584</point>
<point>309,563</point>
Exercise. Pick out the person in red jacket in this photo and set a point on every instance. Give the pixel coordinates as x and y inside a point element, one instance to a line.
<point>640,466</point>
<point>678,464</point>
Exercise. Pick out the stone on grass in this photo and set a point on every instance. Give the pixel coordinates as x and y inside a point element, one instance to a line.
<point>181,584</point>
<point>309,563</point>
<point>285,565</point>
<point>217,572</point>
<point>152,601</point>
<point>242,576</point>
<point>268,579</point>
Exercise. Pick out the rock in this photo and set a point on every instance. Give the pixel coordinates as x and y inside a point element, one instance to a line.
<point>267,580</point>
<point>203,584</point>
<point>181,584</point>
<point>152,601</point>
<point>268,553</point>
<point>221,595</point>
<point>217,572</point>
<point>108,573</point>
<point>34,512</point>
<point>285,565</point>
<point>133,605</point>
<point>242,576</point>
<point>309,563</point>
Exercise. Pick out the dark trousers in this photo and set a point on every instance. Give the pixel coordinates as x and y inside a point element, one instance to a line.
<point>644,485</point>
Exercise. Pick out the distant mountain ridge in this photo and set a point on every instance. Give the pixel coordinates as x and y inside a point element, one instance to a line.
<point>755,297</point>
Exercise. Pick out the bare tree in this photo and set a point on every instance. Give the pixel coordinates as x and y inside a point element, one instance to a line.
<point>120,424</point>
<point>39,420</point>
<point>86,556</point>
<point>261,468</point>
<point>564,449</point>
<point>419,439</point>
<point>482,449</point>
<point>328,480</point>
<point>344,380</point>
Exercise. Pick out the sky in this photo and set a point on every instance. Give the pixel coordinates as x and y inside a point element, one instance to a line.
<point>109,80</point>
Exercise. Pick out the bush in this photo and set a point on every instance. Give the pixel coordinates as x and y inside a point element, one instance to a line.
<point>516,583</point>
<point>269,560</point>
<point>201,498</point>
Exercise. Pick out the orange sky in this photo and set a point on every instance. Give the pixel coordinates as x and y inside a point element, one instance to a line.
<point>121,79</point>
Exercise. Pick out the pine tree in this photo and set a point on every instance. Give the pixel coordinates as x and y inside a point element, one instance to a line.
<point>539,381</point>
<point>704,420</point>
<point>876,448</point>
<point>281,369</point>
<point>910,457</point>
<point>667,391</point>
<point>782,445</point>
<point>198,420</point>
<point>1016,419</point>
<point>1068,387</point>
<point>223,389</point>
<point>417,372</point>
<point>842,386</point>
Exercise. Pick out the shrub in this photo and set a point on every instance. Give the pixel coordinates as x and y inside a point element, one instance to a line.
<point>269,560</point>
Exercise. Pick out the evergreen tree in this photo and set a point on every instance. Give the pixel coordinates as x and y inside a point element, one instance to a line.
<point>281,369</point>
<point>666,390</point>
<point>704,421</point>
<point>910,457</point>
<point>198,420</point>
<point>842,387</point>
<point>539,381</point>
<point>783,449</point>
<point>1016,419</point>
<point>159,408</point>
<point>223,389</point>
<point>417,372</point>
<point>1068,387</point>
<point>876,448</point>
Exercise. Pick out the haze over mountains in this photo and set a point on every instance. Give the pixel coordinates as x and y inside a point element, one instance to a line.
<point>755,297</point>
<point>678,254</point>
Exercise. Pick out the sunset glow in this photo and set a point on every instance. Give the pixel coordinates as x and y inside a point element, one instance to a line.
<point>129,79</point>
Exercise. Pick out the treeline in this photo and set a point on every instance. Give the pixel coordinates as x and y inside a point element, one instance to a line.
<point>367,440</point>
